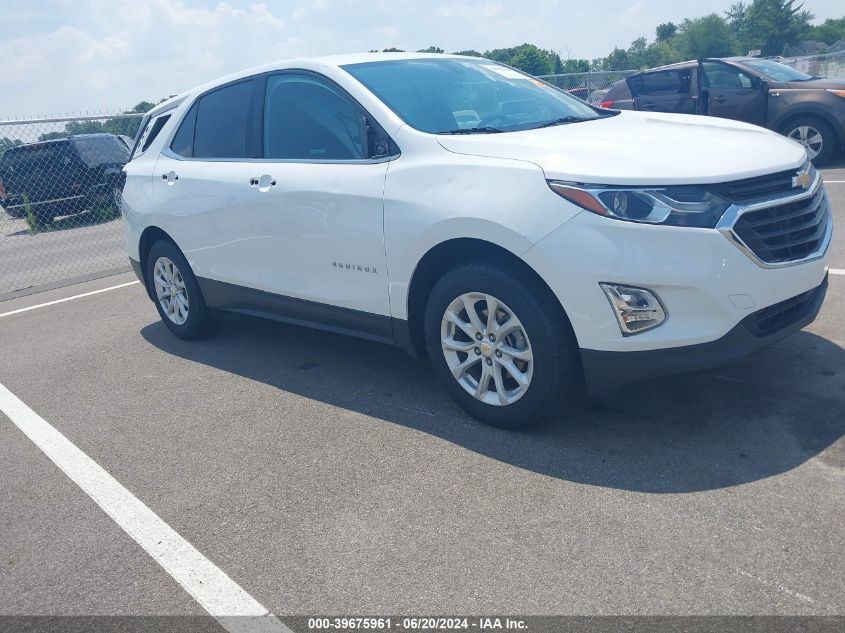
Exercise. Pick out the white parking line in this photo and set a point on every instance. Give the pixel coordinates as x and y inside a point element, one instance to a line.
<point>222,597</point>
<point>84,294</point>
<point>833,182</point>
<point>836,271</point>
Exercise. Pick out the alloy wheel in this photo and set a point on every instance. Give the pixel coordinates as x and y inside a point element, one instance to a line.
<point>170,290</point>
<point>487,349</point>
<point>809,137</point>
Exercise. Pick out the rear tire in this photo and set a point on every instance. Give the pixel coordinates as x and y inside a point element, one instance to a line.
<point>815,134</point>
<point>176,293</point>
<point>514,370</point>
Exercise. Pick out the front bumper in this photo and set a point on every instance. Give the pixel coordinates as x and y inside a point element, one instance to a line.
<point>605,371</point>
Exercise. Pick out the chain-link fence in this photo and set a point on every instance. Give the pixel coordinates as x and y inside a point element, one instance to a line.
<point>591,87</point>
<point>827,65</point>
<point>58,208</point>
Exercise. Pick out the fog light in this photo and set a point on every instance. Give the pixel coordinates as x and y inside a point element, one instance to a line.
<point>637,309</point>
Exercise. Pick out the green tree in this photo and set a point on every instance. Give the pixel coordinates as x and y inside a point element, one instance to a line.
<point>709,36</point>
<point>575,66</point>
<point>431,49</point>
<point>6,143</point>
<point>830,31</point>
<point>527,57</point>
<point>768,25</point>
<point>533,61</point>
<point>468,53</point>
<point>666,31</point>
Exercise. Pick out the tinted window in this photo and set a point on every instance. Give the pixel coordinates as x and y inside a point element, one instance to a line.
<point>666,82</point>
<point>454,95</point>
<point>221,123</point>
<point>726,77</point>
<point>38,156</point>
<point>183,141</point>
<point>156,127</point>
<point>307,118</point>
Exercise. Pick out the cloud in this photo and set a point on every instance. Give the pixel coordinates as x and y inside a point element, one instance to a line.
<point>484,10</point>
<point>80,55</point>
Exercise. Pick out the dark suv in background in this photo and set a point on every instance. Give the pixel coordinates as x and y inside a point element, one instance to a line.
<point>61,176</point>
<point>759,91</point>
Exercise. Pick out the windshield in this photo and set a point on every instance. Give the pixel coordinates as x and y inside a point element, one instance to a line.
<point>465,96</point>
<point>776,71</point>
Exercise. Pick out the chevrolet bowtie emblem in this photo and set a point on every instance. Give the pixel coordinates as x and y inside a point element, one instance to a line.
<point>802,179</point>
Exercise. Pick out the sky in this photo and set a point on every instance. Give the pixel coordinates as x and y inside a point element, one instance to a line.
<point>75,56</point>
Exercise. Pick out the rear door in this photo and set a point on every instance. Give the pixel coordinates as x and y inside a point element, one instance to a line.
<point>664,91</point>
<point>202,185</point>
<point>732,93</point>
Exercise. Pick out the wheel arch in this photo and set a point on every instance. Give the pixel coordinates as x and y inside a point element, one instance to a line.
<point>789,117</point>
<point>150,236</point>
<point>436,262</point>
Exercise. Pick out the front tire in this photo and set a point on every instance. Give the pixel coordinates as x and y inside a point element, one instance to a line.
<point>176,293</point>
<point>817,137</point>
<point>500,344</point>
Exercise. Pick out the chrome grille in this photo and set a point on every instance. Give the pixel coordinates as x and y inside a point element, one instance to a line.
<point>786,232</point>
<point>739,191</point>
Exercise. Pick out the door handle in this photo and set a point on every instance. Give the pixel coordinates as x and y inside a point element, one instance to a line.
<point>263,182</point>
<point>170,177</point>
<point>720,99</point>
<point>646,106</point>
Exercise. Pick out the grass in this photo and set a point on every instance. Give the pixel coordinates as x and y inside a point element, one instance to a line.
<point>32,221</point>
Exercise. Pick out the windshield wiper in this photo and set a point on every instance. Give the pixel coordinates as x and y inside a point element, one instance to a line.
<point>475,130</point>
<point>566,119</point>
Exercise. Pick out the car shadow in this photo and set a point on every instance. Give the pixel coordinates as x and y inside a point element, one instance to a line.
<point>680,434</point>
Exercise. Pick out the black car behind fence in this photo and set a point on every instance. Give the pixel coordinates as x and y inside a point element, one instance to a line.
<point>60,181</point>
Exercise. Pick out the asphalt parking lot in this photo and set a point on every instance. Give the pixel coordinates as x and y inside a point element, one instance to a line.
<point>328,475</point>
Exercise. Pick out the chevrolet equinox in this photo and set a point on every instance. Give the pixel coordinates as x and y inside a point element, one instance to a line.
<point>524,241</point>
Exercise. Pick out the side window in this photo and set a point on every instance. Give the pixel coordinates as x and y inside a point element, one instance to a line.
<point>156,127</point>
<point>664,82</point>
<point>149,133</point>
<point>308,119</point>
<point>183,140</point>
<point>221,122</point>
<point>726,77</point>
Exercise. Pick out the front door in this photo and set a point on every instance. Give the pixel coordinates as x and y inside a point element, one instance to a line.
<point>731,93</point>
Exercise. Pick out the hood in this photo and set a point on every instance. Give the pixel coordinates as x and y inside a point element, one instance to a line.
<point>638,148</point>
<point>816,84</point>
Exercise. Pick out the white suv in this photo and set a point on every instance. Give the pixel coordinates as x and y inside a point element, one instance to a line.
<point>523,240</point>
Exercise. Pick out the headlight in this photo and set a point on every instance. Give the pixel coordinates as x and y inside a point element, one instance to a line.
<point>675,206</point>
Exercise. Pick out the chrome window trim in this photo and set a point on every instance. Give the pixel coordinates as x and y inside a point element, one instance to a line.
<point>169,153</point>
<point>264,76</point>
<point>729,219</point>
